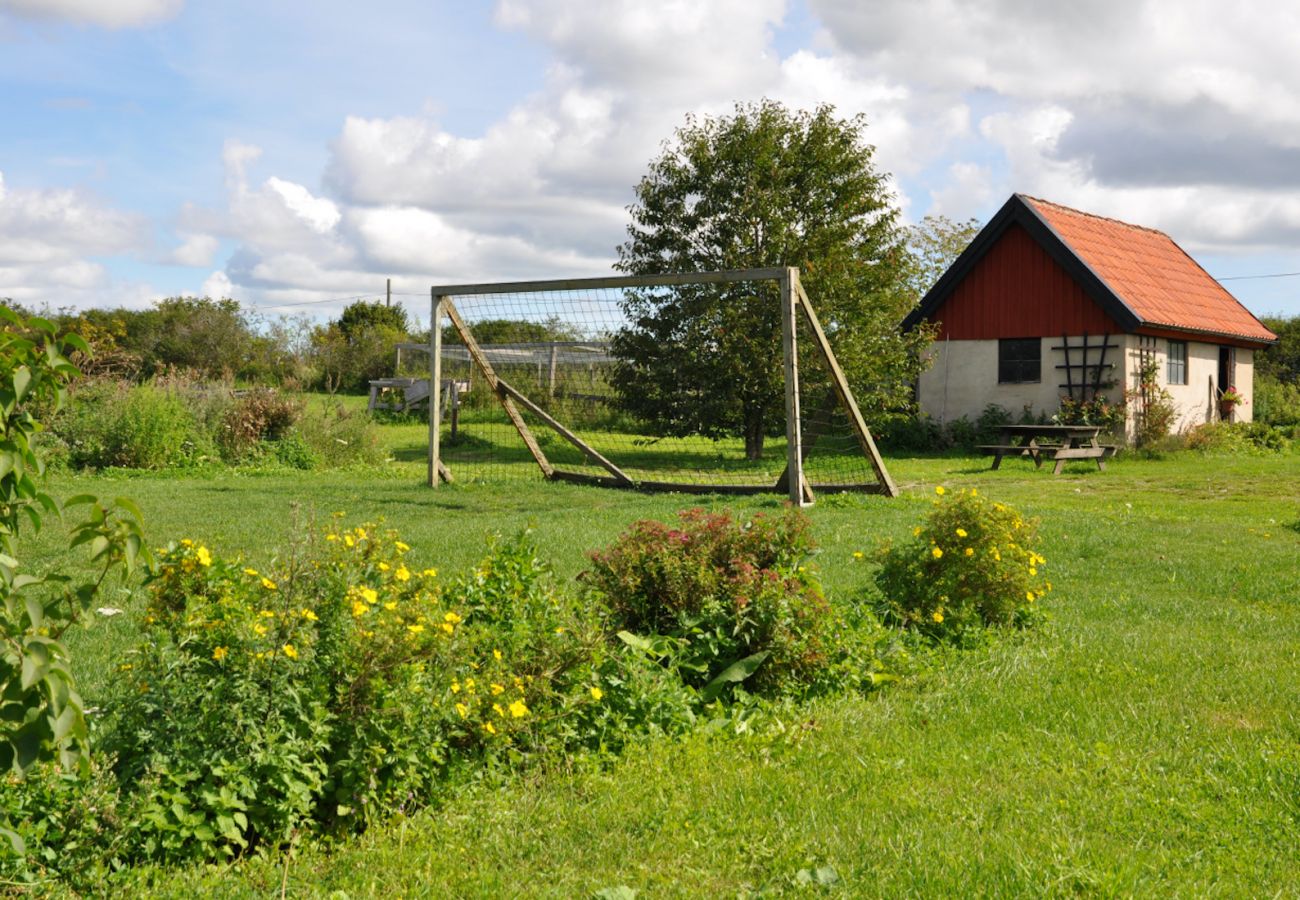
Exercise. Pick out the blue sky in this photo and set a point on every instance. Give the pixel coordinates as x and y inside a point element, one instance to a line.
<point>288,154</point>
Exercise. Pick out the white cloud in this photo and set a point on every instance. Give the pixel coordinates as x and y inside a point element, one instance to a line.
<point>197,250</point>
<point>217,286</point>
<point>47,237</point>
<point>105,13</point>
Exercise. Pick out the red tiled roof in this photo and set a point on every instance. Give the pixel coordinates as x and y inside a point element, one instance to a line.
<point>1152,275</point>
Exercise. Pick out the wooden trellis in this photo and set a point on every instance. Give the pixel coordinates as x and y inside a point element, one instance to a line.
<point>1085,378</point>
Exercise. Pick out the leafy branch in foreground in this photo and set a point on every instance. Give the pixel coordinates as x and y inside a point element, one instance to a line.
<point>42,718</point>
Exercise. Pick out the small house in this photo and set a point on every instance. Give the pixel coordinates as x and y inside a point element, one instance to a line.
<point>1050,302</point>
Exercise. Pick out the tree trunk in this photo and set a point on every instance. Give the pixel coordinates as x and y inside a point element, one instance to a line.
<point>754,437</point>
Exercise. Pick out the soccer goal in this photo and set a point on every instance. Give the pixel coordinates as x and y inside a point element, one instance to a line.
<point>692,382</point>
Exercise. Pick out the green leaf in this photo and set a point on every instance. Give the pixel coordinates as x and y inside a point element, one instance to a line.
<point>130,506</point>
<point>636,642</point>
<point>14,840</point>
<point>79,500</point>
<point>22,381</point>
<point>735,673</point>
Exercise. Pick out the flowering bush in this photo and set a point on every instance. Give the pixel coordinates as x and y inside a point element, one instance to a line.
<point>973,563</point>
<point>333,690</point>
<point>718,598</point>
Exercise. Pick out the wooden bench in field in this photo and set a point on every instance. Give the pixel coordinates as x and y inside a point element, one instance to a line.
<point>1060,443</point>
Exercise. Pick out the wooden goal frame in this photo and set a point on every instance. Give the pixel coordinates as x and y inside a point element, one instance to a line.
<point>793,301</point>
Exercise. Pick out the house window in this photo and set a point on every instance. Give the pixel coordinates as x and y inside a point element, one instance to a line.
<point>1020,360</point>
<point>1178,362</point>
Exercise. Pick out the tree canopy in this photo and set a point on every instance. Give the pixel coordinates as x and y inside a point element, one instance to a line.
<point>933,245</point>
<point>765,186</point>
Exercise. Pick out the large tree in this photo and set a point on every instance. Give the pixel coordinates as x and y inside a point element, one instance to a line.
<point>765,186</point>
<point>934,244</point>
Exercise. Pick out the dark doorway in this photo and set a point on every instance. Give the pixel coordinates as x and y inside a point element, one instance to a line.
<point>1225,377</point>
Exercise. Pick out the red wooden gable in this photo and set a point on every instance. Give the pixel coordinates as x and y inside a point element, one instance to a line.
<point>1016,290</point>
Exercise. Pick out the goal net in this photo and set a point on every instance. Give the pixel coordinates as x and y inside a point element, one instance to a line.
<point>708,382</point>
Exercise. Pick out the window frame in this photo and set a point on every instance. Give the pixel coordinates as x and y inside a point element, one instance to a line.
<point>1013,369</point>
<point>1176,368</point>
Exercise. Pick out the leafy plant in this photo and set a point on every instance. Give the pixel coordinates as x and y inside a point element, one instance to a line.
<point>719,600</point>
<point>42,717</point>
<point>973,563</point>
<point>1154,412</point>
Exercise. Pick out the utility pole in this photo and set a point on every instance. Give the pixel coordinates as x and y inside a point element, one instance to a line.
<point>388,301</point>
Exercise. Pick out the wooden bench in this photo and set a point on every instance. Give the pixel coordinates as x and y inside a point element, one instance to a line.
<point>1060,453</point>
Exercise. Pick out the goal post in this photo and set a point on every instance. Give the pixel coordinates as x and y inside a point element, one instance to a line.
<point>565,365</point>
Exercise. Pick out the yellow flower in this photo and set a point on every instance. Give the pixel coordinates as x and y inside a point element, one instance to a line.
<point>268,584</point>
<point>415,629</point>
<point>937,616</point>
<point>383,567</point>
<point>496,708</point>
<point>250,571</point>
<point>462,709</point>
<point>1033,571</point>
<point>453,618</point>
<point>186,542</point>
<point>331,537</point>
<point>487,726</point>
<point>916,532</point>
<point>430,573</point>
<point>390,605</point>
<point>447,627</point>
<point>309,615</point>
<point>597,693</point>
<point>455,687</point>
<point>347,540</point>
<point>961,532</point>
<point>401,546</point>
<point>219,653</point>
<point>936,553</point>
<point>497,689</point>
<point>370,595</point>
<point>997,554</point>
<point>469,685</point>
<point>259,630</point>
<point>559,630</point>
<point>940,491</point>
<point>402,573</point>
<point>857,554</point>
<point>970,551</point>
<point>204,557</point>
<point>359,608</point>
<point>1029,595</point>
<point>361,534</point>
<point>290,651</point>
<point>518,710</point>
<point>496,654</point>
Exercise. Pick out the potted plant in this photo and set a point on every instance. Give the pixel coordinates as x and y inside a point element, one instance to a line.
<point>1229,400</point>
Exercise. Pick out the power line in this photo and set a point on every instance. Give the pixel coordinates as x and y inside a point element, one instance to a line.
<point>1245,277</point>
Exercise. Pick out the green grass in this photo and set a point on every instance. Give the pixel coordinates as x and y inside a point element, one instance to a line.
<point>1146,742</point>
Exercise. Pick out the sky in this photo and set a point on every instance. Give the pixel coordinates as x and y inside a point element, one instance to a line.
<point>294,155</point>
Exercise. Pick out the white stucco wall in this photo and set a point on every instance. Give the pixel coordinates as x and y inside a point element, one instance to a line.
<point>962,379</point>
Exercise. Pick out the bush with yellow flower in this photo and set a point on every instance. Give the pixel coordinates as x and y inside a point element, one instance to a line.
<point>972,563</point>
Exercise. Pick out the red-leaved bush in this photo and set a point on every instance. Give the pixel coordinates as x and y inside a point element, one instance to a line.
<point>724,591</point>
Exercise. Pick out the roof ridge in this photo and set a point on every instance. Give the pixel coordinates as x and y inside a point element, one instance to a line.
<point>1085,213</point>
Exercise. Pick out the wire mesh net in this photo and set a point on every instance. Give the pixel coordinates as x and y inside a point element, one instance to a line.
<point>679,387</point>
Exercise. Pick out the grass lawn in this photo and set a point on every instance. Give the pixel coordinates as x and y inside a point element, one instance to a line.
<point>1146,741</point>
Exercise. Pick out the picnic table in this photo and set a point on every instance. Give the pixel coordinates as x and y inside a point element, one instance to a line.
<point>1057,442</point>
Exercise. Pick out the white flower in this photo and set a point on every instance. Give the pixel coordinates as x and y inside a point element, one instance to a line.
<point>109,611</point>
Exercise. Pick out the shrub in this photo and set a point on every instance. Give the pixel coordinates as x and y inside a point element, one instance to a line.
<point>258,415</point>
<point>338,436</point>
<point>972,564</point>
<point>718,598</point>
<point>1154,412</point>
<point>146,426</point>
<point>339,688</point>
<point>1277,403</point>
<point>1100,411</point>
<point>1236,437</point>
